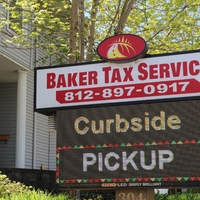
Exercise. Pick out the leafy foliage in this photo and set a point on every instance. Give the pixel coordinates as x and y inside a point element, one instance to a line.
<point>10,190</point>
<point>35,195</point>
<point>189,195</point>
<point>73,29</point>
<point>159,196</point>
<point>7,187</point>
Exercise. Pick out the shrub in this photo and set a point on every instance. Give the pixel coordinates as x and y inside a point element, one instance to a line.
<point>11,190</point>
<point>35,195</point>
<point>8,187</point>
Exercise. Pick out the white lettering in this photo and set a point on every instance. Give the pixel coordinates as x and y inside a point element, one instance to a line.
<point>87,162</point>
<point>107,157</point>
<point>108,160</point>
<point>162,154</point>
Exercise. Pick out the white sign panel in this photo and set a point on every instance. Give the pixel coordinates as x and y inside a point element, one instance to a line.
<point>161,77</point>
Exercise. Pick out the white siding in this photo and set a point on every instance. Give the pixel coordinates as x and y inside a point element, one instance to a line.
<point>45,140</point>
<point>41,147</point>
<point>29,121</point>
<point>8,99</point>
<point>42,59</point>
<point>42,142</point>
<point>20,55</point>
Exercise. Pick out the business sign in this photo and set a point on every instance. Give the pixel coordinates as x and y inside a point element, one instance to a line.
<point>143,145</point>
<point>152,78</point>
<point>122,48</point>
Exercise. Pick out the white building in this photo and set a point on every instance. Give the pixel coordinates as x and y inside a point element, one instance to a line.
<point>25,138</point>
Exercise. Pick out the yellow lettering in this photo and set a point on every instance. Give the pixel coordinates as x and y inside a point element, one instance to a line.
<point>173,122</point>
<point>76,125</point>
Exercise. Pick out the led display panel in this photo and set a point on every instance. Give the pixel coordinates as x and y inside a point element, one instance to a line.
<point>135,145</point>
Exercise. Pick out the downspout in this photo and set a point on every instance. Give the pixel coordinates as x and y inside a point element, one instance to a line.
<point>35,117</point>
<point>34,140</point>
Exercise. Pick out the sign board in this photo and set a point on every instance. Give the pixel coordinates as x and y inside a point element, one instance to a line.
<point>152,78</point>
<point>144,145</point>
<point>125,125</point>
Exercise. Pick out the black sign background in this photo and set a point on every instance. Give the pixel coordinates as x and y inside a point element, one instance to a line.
<point>183,142</point>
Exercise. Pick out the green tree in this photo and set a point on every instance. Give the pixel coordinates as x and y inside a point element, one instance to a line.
<point>72,29</point>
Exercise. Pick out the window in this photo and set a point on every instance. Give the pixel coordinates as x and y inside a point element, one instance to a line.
<point>15,17</point>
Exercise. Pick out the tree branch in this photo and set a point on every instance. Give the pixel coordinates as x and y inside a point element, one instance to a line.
<point>113,20</point>
<point>168,23</point>
<point>128,4</point>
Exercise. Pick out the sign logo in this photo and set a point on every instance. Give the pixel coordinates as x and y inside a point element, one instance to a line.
<point>122,48</point>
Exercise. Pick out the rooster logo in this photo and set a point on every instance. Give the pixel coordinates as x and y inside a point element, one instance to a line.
<point>120,48</point>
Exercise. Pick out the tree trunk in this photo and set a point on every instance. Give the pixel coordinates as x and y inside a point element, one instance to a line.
<point>92,30</point>
<point>81,30</point>
<point>73,31</point>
